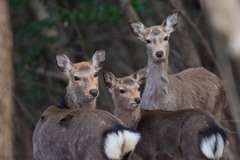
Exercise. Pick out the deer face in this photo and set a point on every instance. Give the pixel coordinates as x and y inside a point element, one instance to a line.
<point>83,77</point>
<point>126,91</point>
<point>156,37</point>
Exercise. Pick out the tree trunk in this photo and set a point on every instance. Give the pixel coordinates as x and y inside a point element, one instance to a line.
<point>184,46</point>
<point>6,85</point>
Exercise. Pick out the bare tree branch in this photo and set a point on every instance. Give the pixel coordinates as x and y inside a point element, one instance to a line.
<point>24,109</point>
<point>129,10</point>
<point>202,40</point>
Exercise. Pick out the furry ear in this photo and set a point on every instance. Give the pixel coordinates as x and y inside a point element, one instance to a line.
<point>138,29</point>
<point>109,79</point>
<point>63,63</point>
<point>171,22</point>
<point>141,75</point>
<point>98,59</point>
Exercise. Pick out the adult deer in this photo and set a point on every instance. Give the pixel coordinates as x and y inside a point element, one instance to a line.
<point>191,134</point>
<point>74,130</point>
<point>191,88</point>
<point>82,89</point>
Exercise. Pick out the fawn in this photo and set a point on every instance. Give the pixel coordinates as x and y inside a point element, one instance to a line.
<point>191,88</point>
<point>184,134</point>
<point>74,130</point>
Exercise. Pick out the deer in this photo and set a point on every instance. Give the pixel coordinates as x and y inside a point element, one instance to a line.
<point>82,89</point>
<point>187,134</point>
<point>191,88</point>
<point>74,129</point>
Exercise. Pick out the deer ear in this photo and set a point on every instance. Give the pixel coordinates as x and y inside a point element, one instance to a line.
<point>141,75</point>
<point>63,63</point>
<point>109,79</point>
<point>98,59</point>
<point>138,29</point>
<point>171,22</point>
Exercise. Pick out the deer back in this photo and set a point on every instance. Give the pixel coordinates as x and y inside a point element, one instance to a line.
<point>82,134</point>
<point>191,88</point>
<point>184,134</point>
<point>178,134</point>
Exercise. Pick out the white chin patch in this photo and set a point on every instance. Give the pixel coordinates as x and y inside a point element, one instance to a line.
<point>134,105</point>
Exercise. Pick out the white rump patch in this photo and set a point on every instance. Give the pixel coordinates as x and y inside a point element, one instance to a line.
<point>220,146</point>
<point>117,146</point>
<point>113,145</point>
<point>208,144</point>
<point>131,140</point>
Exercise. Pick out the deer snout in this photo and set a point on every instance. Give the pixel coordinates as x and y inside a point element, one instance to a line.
<point>94,92</point>
<point>159,54</point>
<point>137,100</point>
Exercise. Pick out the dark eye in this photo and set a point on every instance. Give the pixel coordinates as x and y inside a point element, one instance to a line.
<point>139,89</point>
<point>166,38</point>
<point>122,91</point>
<point>76,78</point>
<point>148,41</point>
<point>95,74</point>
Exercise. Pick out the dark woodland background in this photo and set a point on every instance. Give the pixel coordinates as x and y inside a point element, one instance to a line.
<point>208,35</point>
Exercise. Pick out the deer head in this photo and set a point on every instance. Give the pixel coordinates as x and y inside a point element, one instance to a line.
<point>83,78</point>
<point>156,37</point>
<point>126,90</point>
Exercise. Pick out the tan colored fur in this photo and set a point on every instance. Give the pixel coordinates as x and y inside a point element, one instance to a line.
<point>71,134</point>
<point>191,88</point>
<point>79,91</point>
<point>78,131</point>
<point>164,134</point>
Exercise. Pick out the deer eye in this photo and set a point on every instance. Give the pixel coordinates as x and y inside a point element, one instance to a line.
<point>122,91</point>
<point>95,74</point>
<point>166,38</point>
<point>139,89</point>
<point>148,41</point>
<point>76,78</point>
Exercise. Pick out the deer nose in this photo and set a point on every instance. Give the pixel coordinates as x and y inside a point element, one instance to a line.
<point>94,92</point>
<point>159,53</point>
<point>137,100</point>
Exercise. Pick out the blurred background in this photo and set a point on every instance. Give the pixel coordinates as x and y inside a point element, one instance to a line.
<point>31,31</point>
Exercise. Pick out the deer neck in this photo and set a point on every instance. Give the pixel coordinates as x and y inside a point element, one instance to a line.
<point>76,102</point>
<point>156,84</point>
<point>130,118</point>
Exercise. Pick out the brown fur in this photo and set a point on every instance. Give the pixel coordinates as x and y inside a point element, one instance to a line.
<point>78,92</point>
<point>77,131</point>
<point>165,134</point>
<point>72,134</point>
<point>191,88</point>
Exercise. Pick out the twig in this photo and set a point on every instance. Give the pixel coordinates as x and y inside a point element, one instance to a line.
<point>49,74</point>
<point>160,15</point>
<point>42,85</point>
<point>24,108</point>
<point>200,35</point>
<point>237,120</point>
<point>82,43</point>
<point>226,129</point>
<point>129,10</point>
